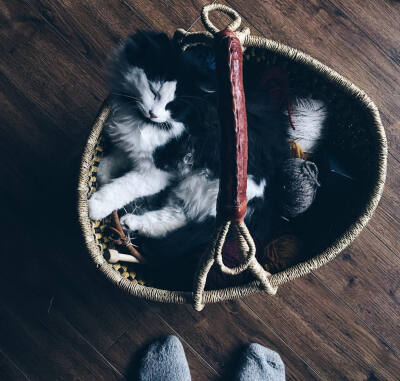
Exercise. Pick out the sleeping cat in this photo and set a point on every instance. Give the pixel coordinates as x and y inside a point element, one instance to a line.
<point>164,136</point>
<point>144,77</point>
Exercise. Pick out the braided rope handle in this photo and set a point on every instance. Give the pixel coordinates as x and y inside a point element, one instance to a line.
<point>205,12</point>
<point>232,200</point>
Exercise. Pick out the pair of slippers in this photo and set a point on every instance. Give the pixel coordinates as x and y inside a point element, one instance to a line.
<point>165,360</point>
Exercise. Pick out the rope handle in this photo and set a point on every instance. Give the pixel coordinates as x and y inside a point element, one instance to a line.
<point>205,12</point>
<point>232,199</point>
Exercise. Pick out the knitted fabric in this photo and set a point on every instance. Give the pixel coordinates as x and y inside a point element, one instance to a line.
<point>258,363</point>
<point>165,360</point>
<point>299,181</point>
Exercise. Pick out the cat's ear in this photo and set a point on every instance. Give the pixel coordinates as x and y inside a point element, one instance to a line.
<point>147,45</point>
<point>131,50</point>
<point>158,39</point>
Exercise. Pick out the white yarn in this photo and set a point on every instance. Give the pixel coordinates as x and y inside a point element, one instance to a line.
<point>308,117</point>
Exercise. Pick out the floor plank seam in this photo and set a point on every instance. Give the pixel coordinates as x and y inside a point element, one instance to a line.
<point>93,68</point>
<point>393,156</point>
<point>203,360</point>
<point>137,14</point>
<point>365,34</point>
<point>258,317</point>
<point>363,322</point>
<point>106,350</point>
<point>14,364</point>
<point>395,253</point>
<point>106,360</point>
<point>198,19</point>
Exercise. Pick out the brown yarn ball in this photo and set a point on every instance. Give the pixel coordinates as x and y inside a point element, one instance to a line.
<point>282,253</point>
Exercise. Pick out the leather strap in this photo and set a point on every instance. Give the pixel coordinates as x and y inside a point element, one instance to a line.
<point>232,199</point>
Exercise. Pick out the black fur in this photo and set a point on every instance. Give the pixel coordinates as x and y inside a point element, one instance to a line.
<point>196,106</point>
<point>152,51</point>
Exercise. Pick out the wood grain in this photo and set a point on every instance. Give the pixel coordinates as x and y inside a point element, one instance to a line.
<point>220,331</point>
<point>60,319</point>
<point>9,370</point>
<point>331,338</point>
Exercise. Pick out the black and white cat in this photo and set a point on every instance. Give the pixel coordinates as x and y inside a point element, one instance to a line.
<point>164,136</point>
<point>144,81</point>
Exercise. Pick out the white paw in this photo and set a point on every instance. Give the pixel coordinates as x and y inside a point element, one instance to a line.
<point>130,222</point>
<point>98,208</point>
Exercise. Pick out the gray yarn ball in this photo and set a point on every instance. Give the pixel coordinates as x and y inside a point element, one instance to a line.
<point>299,184</point>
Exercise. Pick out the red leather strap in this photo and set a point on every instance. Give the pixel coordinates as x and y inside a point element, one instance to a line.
<point>232,199</point>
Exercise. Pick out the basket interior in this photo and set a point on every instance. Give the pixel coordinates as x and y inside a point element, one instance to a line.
<point>352,137</point>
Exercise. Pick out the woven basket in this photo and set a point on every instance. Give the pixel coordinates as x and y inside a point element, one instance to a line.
<point>357,135</point>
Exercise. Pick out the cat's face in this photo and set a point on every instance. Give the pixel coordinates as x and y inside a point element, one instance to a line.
<point>151,97</point>
<point>145,74</point>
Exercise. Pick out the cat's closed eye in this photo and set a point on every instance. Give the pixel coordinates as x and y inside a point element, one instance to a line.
<point>153,91</point>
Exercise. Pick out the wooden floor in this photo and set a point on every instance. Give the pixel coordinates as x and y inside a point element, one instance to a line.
<point>60,320</point>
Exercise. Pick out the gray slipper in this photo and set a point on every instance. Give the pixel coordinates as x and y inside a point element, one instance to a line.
<point>165,360</point>
<point>258,363</point>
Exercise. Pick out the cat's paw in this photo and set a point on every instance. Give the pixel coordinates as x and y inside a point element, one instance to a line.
<point>130,222</point>
<point>98,208</point>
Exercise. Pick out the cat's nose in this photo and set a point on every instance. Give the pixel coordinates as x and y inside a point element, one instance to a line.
<point>152,115</point>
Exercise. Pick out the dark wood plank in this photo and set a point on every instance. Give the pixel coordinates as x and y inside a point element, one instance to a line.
<point>47,103</point>
<point>9,371</point>
<point>329,337</point>
<point>378,21</point>
<point>47,347</point>
<point>168,15</point>
<point>365,276</point>
<point>220,331</point>
<point>36,334</point>
<point>385,224</point>
<point>127,324</point>
<point>67,296</point>
<point>95,33</point>
<point>128,348</point>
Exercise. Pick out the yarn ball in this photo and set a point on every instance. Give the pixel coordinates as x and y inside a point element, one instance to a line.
<point>299,184</point>
<point>281,253</point>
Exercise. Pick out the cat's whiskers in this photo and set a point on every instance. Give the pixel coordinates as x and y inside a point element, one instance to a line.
<point>127,96</point>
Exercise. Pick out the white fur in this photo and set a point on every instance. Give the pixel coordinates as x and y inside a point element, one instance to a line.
<point>308,118</point>
<point>198,195</point>
<point>164,93</point>
<point>137,140</point>
<point>119,192</point>
<point>157,223</point>
<point>152,96</point>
